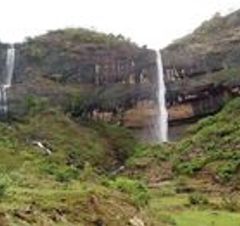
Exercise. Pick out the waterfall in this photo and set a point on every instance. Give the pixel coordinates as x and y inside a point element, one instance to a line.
<point>7,80</point>
<point>162,118</point>
<point>10,62</point>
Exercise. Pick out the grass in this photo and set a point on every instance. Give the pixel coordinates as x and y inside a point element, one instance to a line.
<point>205,167</point>
<point>207,218</point>
<point>71,186</point>
<point>65,187</point>
<point>176,210</point>
<point>210,150</point>
<point>78,204</point>
<point>212,145</point>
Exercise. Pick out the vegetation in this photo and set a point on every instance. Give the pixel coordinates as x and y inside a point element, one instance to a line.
<point>137,191</point>
<point>115,98</point>
<point>224,78</point>
<point>212,145</point>
<point>54,186</point>
<point>85,36</point>
<point>75,176</point>
<point>59,168</point>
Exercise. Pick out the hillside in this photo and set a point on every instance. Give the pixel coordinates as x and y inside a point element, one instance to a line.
<point>76,177</point>
<point>196,177</point>
<point>212,46</point>
<point>79,98</point>
<point>54,172</point>
<point>209,149</point>
<point>202,68</point>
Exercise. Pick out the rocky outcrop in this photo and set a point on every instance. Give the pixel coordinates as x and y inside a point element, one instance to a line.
<point>211,47</point>
<point>89,74</point>
<point>202,69</point>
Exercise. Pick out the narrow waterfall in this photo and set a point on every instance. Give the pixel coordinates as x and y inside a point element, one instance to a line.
<point>7,80</point>
<point>162,119</point>
<point>10,63</point>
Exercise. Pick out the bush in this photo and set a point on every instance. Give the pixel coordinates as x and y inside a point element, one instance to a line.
<point>227,171</point>
<point>61,174</point>
<point>197,199</point>
<point>4,184</point>
<point>230,203</point>
<point>66,175</point>
<point>190,167</point>
<point>136,190</point>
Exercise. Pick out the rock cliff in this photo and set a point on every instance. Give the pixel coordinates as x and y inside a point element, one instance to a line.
<point>202,69</point>
<point>86,73</point>
<point>102,76</point>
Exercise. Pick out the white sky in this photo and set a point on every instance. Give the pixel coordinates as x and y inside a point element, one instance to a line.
<point>152,22</point>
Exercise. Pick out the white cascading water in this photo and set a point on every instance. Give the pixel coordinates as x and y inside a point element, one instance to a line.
<point>162,119</point>
<point>7,81</point>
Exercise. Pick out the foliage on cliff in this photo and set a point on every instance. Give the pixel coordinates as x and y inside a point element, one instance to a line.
<point>213,146</point>
<point>69,45</point>
<point>115,98</point>
<point>213,46</point>
<point>218,28</point>
<point>209,150</point>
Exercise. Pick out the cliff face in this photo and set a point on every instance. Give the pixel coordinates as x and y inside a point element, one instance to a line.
<point>211,47</point>
<point>106,77</point>
<point>202,69</point>
<point>88,74</point>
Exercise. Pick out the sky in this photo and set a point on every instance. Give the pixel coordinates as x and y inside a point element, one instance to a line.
<point>155,23</point>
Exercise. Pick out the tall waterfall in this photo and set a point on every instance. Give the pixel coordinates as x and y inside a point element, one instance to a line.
<point>162,119</point>
<point>10,63</point>
<point>7,79</point>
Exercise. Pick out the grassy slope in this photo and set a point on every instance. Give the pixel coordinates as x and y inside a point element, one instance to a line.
<point>210,147</point>
<point>62,188</point>
<point>213,146</point>
<point>197,179</point>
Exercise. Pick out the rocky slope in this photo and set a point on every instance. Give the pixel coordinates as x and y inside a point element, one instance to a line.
<point>202,69</point>
<point>87,73</point>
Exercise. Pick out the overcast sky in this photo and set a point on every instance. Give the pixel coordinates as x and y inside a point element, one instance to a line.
<point>152,22</point>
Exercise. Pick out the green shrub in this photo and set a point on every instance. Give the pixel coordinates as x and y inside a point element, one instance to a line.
<point>3,189</point>
<point>61,174</point>
<point>227,171</point>
<point>4,184</point>
<point>135,189</point>
<point>66,175</point>
<point>189,167</point>
<point>197,199</point>
<point>230,203</point>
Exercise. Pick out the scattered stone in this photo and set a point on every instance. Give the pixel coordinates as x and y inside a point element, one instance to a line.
<point>42,147</point>
<point>118,170</point>
<point>135,221</point>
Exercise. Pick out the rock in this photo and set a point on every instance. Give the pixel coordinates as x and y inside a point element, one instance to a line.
<point>42,147</point>
<point>135,221</point>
